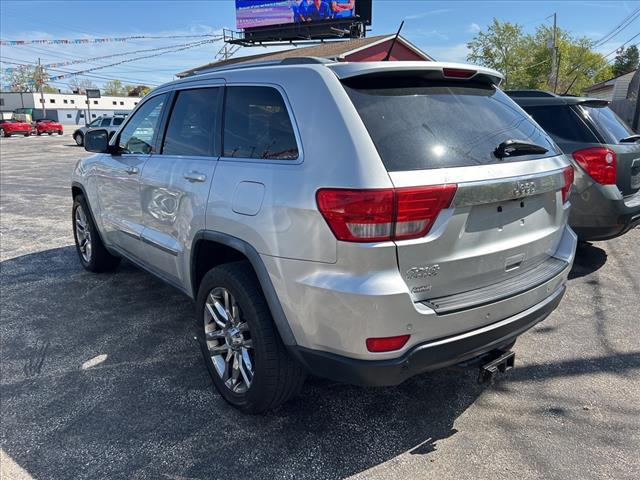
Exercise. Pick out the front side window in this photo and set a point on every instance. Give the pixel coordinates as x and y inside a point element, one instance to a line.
<point>257,125</point>
<point>193,124</point>
<point>139,133</point>
<point>105,122</point>
<point>95,123</point>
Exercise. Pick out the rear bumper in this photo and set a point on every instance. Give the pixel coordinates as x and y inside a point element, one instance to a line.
<point>596,216</point>
<point>429,355</point>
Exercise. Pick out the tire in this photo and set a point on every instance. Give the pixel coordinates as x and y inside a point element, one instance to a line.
<point>59,132</point>
<point>5,133</point>
<point>38,133</point>
<point>275,376</point>
<point>93,255</point>
<point>50,133</point>
<point>28,134</point>
<point>79,138</point>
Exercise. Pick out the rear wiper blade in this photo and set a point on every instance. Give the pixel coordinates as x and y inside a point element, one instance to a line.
<point>630,139</point>
<point>511,148</point>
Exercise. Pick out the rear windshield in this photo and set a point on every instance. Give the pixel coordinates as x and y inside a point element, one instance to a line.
<point>562,123</point>
<point>608,123</point>
<point>419,124</point>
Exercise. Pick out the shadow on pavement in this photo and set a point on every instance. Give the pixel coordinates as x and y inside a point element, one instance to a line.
<point>147,407</point>
<point>589,258</point>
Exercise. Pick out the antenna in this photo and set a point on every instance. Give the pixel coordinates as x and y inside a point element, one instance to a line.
<point>393,43</point>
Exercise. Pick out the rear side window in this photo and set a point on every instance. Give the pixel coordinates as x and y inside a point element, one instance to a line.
<point>105,122</point>
<point>118,121</point>
<point>257,125</point>
<point>193,124</point>
<point>610,126</point>
<point>562,123</point>
<point>420,124</point>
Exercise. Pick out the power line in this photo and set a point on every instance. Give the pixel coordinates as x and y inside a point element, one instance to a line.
<point>628,20</point>
<point>80,41</point>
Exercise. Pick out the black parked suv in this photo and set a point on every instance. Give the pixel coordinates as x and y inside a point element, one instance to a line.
<point>606,155</point>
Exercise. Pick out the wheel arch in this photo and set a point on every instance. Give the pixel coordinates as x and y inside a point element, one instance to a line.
<point>217,248</point>
<point>78,189</point>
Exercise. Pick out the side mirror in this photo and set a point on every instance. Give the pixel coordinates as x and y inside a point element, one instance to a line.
<point>97,141</point>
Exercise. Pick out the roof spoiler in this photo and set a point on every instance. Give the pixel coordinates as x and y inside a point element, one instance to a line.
<point>594,102</point>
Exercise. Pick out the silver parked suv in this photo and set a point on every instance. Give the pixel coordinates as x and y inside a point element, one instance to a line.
<point>365,222</point>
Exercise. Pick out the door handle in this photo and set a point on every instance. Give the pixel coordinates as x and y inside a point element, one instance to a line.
<point>195,177</point>
<point>132,170</point>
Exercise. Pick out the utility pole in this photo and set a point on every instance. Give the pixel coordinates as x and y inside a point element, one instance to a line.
<point>40,81</point>
<point>554,53</point>
<point>88,117</point>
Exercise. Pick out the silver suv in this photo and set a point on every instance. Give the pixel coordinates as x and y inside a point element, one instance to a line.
<point>111,124</point>
<point>364,222</point>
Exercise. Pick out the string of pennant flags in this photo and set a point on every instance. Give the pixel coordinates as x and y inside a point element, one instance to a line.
<point>78,41</point>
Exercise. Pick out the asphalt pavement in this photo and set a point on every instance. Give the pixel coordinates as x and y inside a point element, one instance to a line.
<point>101,377</point>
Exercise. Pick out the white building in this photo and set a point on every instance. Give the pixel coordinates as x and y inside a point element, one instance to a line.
<point>66,108</point>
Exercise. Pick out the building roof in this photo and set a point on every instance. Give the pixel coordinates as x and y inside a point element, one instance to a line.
<point>331,50</point>
<point>608,83</point>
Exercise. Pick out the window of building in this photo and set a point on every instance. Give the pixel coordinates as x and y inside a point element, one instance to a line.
<point>93,115</point>
<point>72,101</point>
<point>257,125</point>
<point>81,114</point>
<point>42,100</point>
<point>95,102</point>
<point>68,115</point>
<point>65,100</point>
<point>52,100</point>
<point>115,103</point>
<point>1,102</point>
<point>135,103</point>
<point>121,103</point>
<point>192,128</point>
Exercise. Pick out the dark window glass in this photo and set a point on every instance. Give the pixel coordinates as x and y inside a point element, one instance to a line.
<point>121,103</point>
<point>610,125</point>
<point>95,122</point>
<point>73,101</point>
<point>562,123</point>
<point>68,115</point>
<point>52,100</point>
<point>115,103</point>
<point>138,135</point>
<point>421,124</point>
<point>105,122</point>
<point>257,125</point>
<point>193,123</point>
<point>118,121</point>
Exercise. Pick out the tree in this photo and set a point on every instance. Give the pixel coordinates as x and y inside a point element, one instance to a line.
<point>138,91</point>
<point>501,47</point>
<point>525,59</point>
<point>24,78</point>
<point>50,89</point>
<point>114,88</point>
<point>626,61</point>
<point>81,85</point>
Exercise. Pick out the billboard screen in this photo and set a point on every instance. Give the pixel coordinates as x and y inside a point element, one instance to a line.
<point>264,13</point>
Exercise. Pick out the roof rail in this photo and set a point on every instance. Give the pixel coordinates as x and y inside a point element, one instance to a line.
<point>265,63</point>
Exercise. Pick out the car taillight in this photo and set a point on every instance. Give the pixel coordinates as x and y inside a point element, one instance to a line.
<point>383,214</point>
<point>599,163</point>
<point>386,344</point>
<point>568,173</point>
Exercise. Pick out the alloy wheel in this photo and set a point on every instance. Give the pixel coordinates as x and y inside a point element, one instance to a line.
<point>228,340</point>
<point>83,234</point>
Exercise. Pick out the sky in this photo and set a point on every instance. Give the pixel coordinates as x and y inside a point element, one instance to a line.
<point>441,29</point>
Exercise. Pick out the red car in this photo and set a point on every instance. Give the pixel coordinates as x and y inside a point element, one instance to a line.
<point>45,125</point>
<point>11,126</point>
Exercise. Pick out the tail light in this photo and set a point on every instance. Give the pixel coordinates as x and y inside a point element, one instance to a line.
<point>383,214</point>
<point>458,73</point>
<point>599,163</point>
<point>568,181</point>
<point>387,344</point>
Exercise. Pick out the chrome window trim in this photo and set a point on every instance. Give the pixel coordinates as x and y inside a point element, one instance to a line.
<point>511,188</point>
<point>292,118</point>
